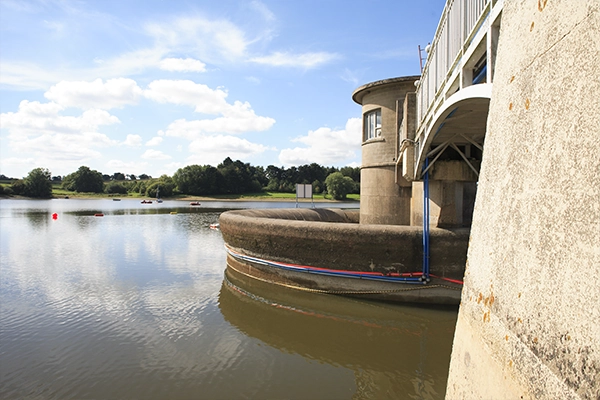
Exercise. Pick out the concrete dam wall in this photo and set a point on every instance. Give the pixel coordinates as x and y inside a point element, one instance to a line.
<point>333,239</point>
<point>528,325</point>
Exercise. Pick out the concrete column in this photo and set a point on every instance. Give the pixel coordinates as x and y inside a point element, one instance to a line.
<point>528,321</point>
<point>452,188</point>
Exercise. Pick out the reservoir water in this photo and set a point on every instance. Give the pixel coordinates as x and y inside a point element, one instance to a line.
<point>136,304</point>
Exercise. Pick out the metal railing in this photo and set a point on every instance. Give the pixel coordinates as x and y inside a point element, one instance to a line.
<point>459,23</point>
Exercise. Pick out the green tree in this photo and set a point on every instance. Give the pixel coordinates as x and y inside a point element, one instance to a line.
<point>166,185</point>
<point>84,180</point>
<point>38,183</point>
<point>338,185</point>
<point>197,180</point>
<point>238,177</point>
<point>18,187</point>
<point>116,187</point>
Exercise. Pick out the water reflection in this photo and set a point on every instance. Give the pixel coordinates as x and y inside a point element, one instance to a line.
<point>133,305</point>
<point>394,351</point>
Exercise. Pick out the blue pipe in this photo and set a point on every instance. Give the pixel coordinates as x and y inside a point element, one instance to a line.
<point>426,222</point>
<point>481,76</point>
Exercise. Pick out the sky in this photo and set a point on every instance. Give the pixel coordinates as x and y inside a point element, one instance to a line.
<point>150,86</point>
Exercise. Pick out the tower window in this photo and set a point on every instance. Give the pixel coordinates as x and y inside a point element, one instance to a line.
<point>372,124</point>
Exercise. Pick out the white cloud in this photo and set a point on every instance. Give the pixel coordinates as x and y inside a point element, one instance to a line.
<point>152,154</point>
<point>350,77</point>
<point>172,167</point>
<point>133,141</point>
<point>214,149</point>
<point>155,141</point>
<point>182,65</point>
<point>231,124</point>
<point>184,92</point>
<point>129,167</point>
<point>26,75</point>
<point>210,40</point>
<point>217,41</point>
<point>304,60</point>
<point>326,146</point>
<point>38,130</point>
<point>54,26</point>
<point>235,118</point>
<point>97,94</point>
<point>35,118</point>
<point>131,63</point>
<point>20,162</point>
<point>263,10</point>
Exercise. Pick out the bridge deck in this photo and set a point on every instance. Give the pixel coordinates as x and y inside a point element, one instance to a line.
<point>455,87</point>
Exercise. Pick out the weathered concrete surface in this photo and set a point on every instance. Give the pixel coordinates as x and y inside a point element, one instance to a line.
<point>333,239</point>
<point>528,325</point>
<point>385,197</point>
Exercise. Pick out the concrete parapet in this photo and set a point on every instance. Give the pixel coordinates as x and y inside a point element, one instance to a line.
<point>333,239</point>
<point>528,321</point>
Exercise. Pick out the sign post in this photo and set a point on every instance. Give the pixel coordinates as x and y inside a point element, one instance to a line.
<point>304,191</point>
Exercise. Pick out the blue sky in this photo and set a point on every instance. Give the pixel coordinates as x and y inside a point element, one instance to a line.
<point>152,86</point>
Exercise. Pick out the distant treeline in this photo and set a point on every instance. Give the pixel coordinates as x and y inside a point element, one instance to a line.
<point>229,177</point>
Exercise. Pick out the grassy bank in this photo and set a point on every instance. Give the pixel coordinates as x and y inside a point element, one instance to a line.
<point>59,193</point>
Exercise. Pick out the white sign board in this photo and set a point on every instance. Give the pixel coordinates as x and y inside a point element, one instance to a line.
<point>304,191</point>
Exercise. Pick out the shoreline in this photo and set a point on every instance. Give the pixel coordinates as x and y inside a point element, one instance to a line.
<point>184,199</point>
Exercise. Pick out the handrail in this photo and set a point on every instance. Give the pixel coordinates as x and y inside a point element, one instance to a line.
<point>460,21</point>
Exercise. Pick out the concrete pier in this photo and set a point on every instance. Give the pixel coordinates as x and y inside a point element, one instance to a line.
<point>528,325</point>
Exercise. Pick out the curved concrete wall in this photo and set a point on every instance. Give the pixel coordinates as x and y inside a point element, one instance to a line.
<point>528,325</point>
<point>382,199</point>
<point>333,239</point>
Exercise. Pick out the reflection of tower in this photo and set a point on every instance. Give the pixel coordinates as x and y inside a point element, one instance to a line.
<point>385,347</point>
<point>387,108</point>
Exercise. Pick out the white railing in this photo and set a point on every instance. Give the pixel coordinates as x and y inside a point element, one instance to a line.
<point>460,21</point>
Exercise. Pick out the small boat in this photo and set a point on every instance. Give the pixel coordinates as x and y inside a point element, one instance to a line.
<point>98,215</point>
<point>194,203</point>
<point>116,199</point>
<point>146,202</point>
<point>214,226</point>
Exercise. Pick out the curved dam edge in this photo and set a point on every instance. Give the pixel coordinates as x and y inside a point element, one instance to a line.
<point>333,239</point>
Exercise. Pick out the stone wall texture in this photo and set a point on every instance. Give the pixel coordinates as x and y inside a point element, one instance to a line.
<point>529,321</point>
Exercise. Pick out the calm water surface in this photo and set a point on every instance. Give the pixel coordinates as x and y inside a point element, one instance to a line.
<point>137,305</point>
